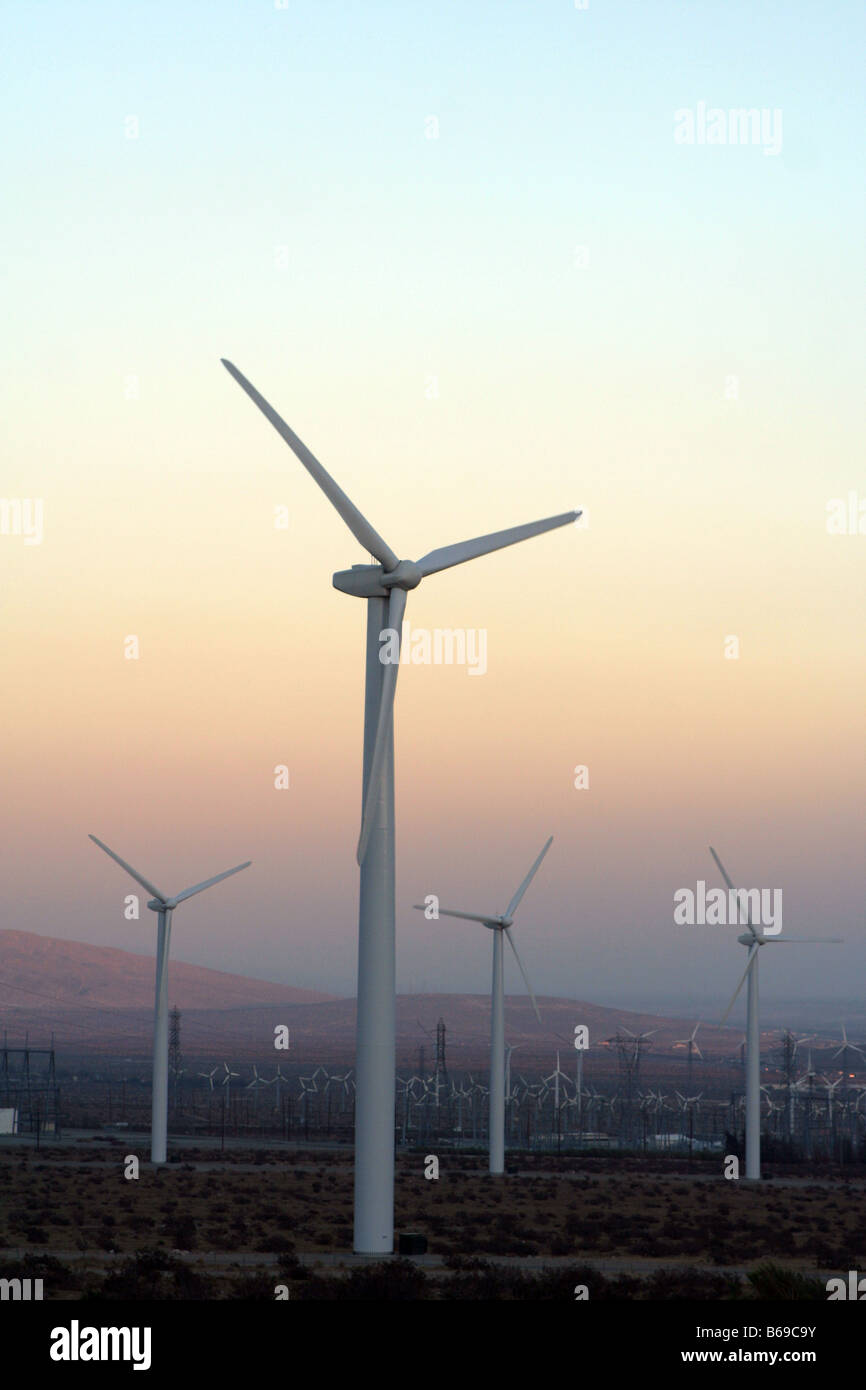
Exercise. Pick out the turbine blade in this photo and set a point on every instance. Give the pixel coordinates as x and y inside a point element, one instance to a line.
<point>523,973</point>
<point>753,956</point>
<point>815,940</point>
<point>450,912</point>
<point>723,871</point>
<point>358,524</point>
<point>448,555</point>
<point>139,878</point>
<point>518,896</point>
<point>209,882</point>
<point>396,609</point>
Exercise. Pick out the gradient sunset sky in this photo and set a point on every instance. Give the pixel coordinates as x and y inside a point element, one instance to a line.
<point>459,249</point>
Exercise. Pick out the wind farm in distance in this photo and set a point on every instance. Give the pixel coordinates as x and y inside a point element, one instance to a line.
<point>649,1108</point>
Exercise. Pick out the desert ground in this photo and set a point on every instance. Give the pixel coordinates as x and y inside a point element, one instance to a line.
<point>241,1223</point>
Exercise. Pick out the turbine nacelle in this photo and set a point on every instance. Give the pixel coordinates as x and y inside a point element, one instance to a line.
<point>361,581</point>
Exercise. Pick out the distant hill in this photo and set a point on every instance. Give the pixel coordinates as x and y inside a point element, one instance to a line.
<point>38,970</point>
<point>99,999</point>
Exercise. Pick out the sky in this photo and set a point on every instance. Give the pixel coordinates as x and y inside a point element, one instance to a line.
<point>471,255</point>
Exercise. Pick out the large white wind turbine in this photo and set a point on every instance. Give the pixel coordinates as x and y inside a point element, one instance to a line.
<point>500,925</point>
<point>754,940</point>
<point>163,906</point>
<point>384,586</point>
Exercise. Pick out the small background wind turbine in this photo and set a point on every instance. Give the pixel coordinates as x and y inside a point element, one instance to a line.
<point>163,905</point>
<point>754,940</point>
<point>694,1050</point>
<point>846,1048</point>
<point>500,926</point>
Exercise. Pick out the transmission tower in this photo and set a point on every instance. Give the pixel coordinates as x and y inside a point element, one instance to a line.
<point>28,1085</point>
<point>789,1061</point>
<point>441,1068</point>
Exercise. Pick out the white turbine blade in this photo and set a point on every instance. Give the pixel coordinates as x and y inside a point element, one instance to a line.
<point>753,955</point>
<point>450,912</point>
<point>815,940</point>
<point>518,896</point>
<point>723,871</point>
<point>448,555</point>
<point>523,973</point>
<point>358,524</point>
<point>209,882</point>
<point>139,878</point>
<point>396,609</point>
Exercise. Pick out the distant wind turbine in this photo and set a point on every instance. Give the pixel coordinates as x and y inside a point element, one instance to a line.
<point>754,940</point>
<point>694,1050</point>
<point>384,585</point>
<point>163,906</point>
<point>500,926</point>
<point>845,1049</point>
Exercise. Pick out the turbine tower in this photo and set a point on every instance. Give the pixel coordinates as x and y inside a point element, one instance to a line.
<point>163,906</point>
<point>384,586</point>
<point>754,940</point>
<point>500,926</point>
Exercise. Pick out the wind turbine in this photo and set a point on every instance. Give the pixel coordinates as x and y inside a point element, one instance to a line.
<point>694,1050</point>
<point>831,1087</point>
<point>277,1080</point>
<point>845,1049</point>
<point>500,926</point>
<point>384,586</point>
<point>555,1078</point>
<point>227,1081</point>
<point>754,940</point>
<point>163,906</point>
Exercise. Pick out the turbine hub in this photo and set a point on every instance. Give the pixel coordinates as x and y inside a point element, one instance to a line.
<point>747,939</point>
<point>406,575</point>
